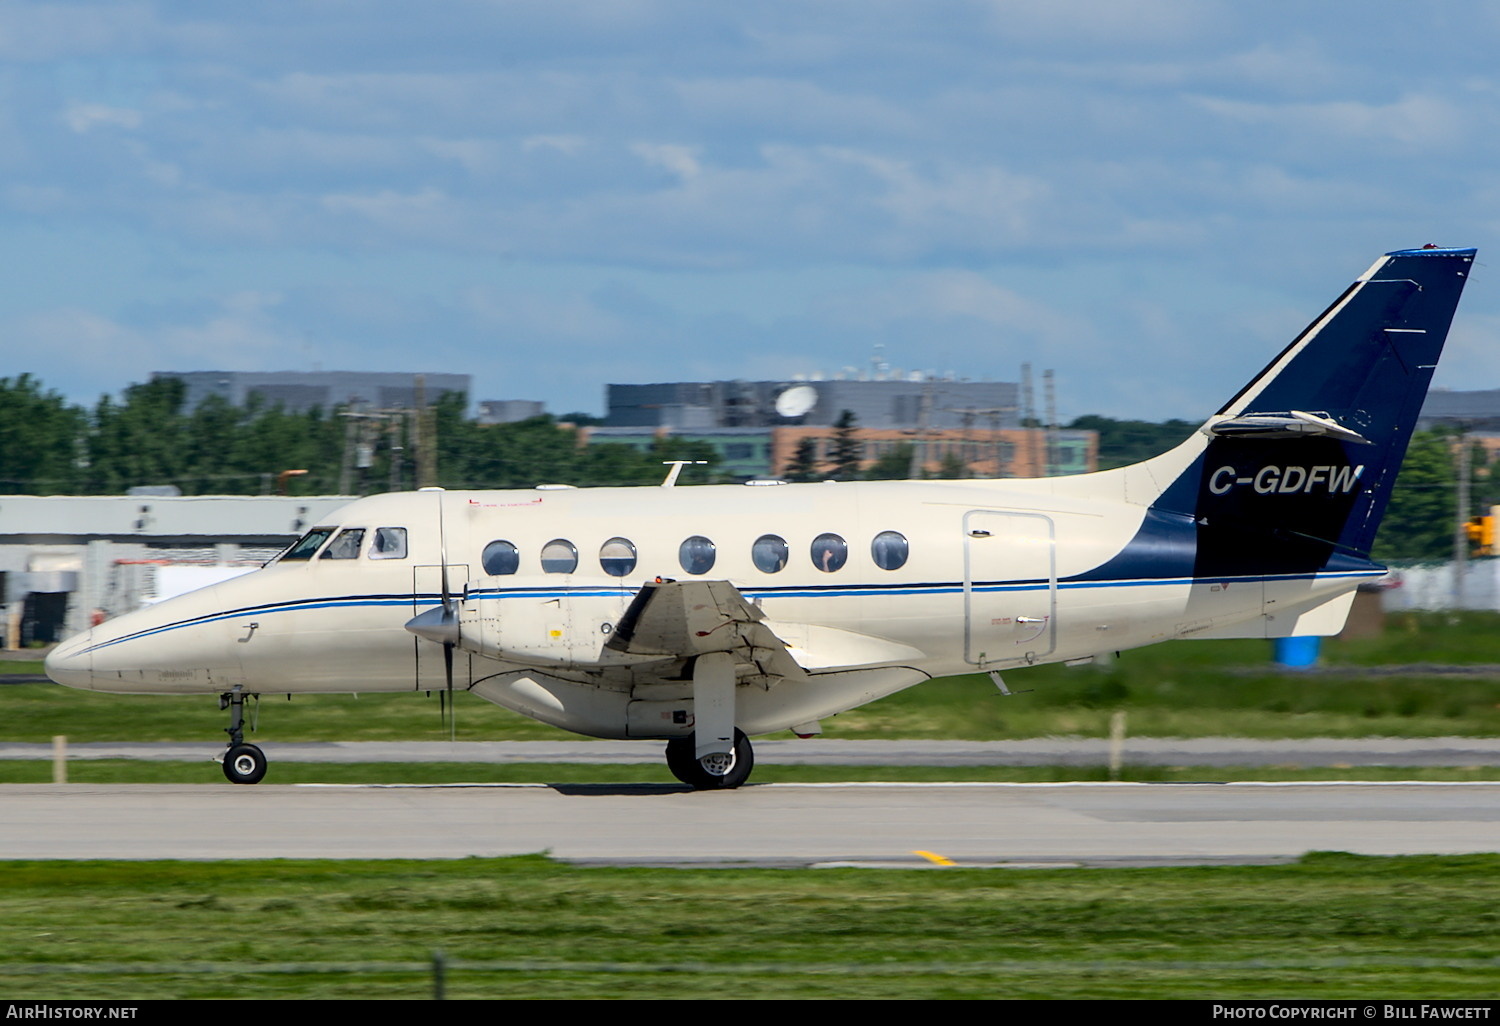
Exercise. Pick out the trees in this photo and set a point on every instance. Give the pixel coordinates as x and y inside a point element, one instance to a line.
<point>893,465</point>
<point>146,437</point>
<point>140,441</point>
<point>1419,521</point>
<point>804,464</point>
<point>40,435</point>
<point>848,451</point>
<point>1123,442</point>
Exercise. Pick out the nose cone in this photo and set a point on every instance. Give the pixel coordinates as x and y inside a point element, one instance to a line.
<point>439,625</point>
<point>72,663</point>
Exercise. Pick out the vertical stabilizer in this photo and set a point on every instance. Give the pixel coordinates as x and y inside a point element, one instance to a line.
<point>1294,473</point>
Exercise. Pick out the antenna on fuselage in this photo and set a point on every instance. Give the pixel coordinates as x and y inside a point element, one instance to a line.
<point>677,465</point>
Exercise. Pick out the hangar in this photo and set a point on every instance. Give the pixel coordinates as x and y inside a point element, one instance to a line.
<point>67,561</point>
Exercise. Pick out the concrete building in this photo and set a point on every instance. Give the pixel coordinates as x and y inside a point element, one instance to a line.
<point>1477,410</point>
<point>508,411</point>
<point>757,426</point>
<point>1015,452</point>
<point>66,560</point>
<point>748,452</point>
<point>300,391</point>
<point>933,403</point>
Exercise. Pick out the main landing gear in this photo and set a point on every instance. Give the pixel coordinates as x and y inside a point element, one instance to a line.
<point>243,764</point>
<point>713,772</point>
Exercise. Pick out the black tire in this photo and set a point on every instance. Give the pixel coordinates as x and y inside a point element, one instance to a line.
<point>244,764</point>
<point>683,763</point>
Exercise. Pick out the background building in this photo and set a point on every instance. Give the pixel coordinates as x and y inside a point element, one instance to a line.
<point>934,403</point>
<point>1472,410</point>
<point>932,426</point>
<point>300,391</point>
<point>508,411</point>
<point>746,453</point>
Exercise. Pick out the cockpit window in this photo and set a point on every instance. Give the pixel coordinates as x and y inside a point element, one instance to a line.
<point>308,544</point>
<point>389,543</point>
<point>346,545</point>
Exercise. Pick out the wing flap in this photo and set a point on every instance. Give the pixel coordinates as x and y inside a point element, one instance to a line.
<point>684,619</point>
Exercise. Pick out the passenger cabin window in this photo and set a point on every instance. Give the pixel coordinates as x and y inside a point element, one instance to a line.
<point>346,545</point>
<point>559,557</point>
<point>389,543</point>
<point>500,557</point>
<point>890,550</point>
<point>829,552</point>
<point>696,555</point>
<point>308,544</point>
<point>617,557</point>
<point>770,553</point>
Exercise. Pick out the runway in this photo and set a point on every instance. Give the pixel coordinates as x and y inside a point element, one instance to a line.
<point>768,824</point>
<point>1044,751</point>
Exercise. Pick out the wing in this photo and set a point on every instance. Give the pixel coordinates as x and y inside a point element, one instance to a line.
<point>684,619</point>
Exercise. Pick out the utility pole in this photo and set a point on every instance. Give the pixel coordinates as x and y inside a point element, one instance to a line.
<point>1461,520</point>
<point>346,468</point>
<point>424,437</point>
<point>396,451</point>
<point>1051,394</point>
<point>919,449</point>
<point>1029,422</point>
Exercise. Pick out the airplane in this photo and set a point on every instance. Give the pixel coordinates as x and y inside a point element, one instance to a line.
<point>700,616</point>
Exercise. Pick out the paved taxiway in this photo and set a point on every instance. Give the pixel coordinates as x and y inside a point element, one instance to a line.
<point>1046,751</point>
<point>781,824</point>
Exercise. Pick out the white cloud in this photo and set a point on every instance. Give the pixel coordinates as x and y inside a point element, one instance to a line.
<point>83,117</point>
<point>570,145</point>
<point>681,161</point>
<point>105,353</point>
<point>949,150</point>
<point>1413,120</point>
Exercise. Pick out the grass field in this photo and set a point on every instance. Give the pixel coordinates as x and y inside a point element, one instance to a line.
<point>1178,689</point>
<point>1331,926</point>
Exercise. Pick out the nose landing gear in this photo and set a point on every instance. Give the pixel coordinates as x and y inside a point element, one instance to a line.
<point>243,764</point>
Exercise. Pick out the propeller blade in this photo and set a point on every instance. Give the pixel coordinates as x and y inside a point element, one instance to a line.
<point>448,672</point>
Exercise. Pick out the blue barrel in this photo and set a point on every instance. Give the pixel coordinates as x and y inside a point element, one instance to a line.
<point>1297,652</point>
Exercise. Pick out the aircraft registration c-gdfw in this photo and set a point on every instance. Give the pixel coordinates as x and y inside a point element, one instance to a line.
<point>701,615</point>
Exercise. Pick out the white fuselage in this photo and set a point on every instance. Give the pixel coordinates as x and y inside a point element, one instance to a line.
<point>984,586</point>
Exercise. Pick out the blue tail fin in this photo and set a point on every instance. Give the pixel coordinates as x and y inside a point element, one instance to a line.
<point>1296,470</point>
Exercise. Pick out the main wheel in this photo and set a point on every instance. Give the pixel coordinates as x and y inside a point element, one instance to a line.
<point>244,764</point>
<point>712,773</point>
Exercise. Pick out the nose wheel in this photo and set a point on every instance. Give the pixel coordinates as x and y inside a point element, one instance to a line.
<point>243,764</point>
<point>713,772</point>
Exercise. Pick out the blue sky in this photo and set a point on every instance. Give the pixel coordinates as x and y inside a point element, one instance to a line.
<point>1150,197</point>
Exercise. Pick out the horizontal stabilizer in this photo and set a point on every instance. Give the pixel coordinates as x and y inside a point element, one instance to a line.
<point>1292,424</point>
<point>1323,618</point>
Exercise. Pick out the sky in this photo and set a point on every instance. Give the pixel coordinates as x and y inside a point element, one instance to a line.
<point>1150,197</point>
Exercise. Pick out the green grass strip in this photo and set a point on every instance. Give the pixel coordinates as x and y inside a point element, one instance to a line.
<point>1329,926</point>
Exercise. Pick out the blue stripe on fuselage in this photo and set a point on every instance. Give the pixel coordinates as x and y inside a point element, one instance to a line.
<point>820,591</point>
